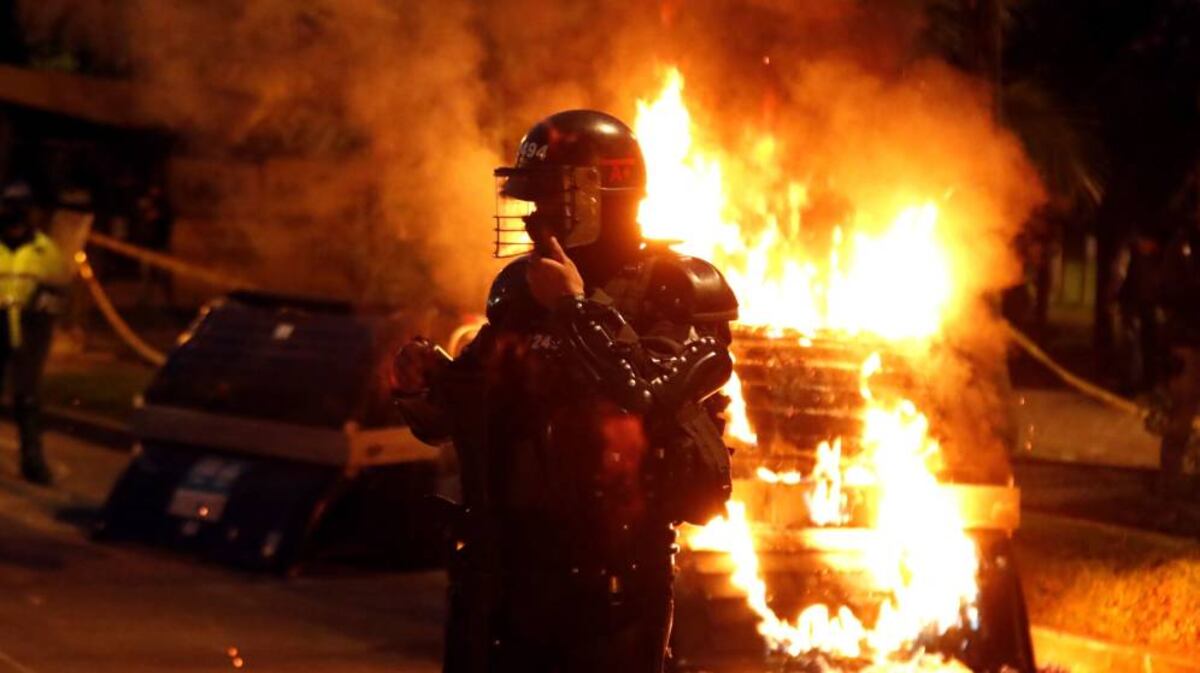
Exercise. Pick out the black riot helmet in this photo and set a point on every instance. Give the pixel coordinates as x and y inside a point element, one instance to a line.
<point>568,166</point>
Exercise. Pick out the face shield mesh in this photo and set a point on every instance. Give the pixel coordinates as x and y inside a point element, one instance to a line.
<point>563,201</point>
<point>511,238</point>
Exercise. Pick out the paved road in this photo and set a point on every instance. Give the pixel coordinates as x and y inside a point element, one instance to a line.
<point>1062,425</point>
<point>70,605</point>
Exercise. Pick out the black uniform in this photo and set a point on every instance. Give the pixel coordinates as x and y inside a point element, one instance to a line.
<point>583,430</point>
<point>1180,292</point>
<point>583,434</point>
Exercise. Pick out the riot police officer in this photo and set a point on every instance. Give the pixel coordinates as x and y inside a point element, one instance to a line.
<point>32,278</point>
<point>585,416</point>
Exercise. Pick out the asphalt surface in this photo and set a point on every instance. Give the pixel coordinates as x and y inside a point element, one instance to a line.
<point>68,604</point>
<point>1081,459</point>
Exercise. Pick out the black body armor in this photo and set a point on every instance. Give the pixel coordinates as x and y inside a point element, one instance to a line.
<point>650,346</point>
<point>583,434</point>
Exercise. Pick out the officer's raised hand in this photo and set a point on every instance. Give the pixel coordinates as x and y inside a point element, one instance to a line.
<point>413,367</point>
<point>552,275</point>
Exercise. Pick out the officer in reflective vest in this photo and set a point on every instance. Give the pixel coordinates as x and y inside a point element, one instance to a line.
<point>32,280</point>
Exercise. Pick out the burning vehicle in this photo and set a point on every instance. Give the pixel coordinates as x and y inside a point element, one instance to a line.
<point>872,508</point>
<point>867,528</point>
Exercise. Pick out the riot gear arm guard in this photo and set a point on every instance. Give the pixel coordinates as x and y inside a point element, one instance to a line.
<point>667,382</point>
<point>668,369</point>
<point>681,354</point>
<point>639,379</point>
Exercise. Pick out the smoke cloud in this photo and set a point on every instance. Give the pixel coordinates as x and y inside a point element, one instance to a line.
<point>367,129</point>
<point>414,104</point>
<point>363,114</point>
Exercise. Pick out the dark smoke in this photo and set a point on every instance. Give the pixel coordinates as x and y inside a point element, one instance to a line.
<point>355,138</point>
<point>414,102</point>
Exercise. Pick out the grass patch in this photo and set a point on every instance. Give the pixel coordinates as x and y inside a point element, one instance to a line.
<point>106,388</point>
<point>1114,584</point>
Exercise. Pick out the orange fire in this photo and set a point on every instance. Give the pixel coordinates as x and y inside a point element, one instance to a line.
<point>891,279</point>
<point>919,558</point>
<point>895,283</point>
<point>739,424</point>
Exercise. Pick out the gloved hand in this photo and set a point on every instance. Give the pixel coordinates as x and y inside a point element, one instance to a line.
<point>553,276</point>
<point>414,365</point>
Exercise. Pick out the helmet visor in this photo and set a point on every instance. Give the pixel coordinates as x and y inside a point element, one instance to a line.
<point>535,203</point>
<point>512,239</point>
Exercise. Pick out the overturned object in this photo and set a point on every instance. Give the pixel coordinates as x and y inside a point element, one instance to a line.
<point>268,438</point>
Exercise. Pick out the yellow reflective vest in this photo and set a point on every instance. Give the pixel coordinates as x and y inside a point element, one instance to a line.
<point>35,265</point>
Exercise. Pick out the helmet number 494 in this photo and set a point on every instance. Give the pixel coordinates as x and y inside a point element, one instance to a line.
<point>532,150</point>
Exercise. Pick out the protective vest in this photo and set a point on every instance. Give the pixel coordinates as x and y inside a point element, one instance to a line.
<point>618,379</point>
<point>26,274</point>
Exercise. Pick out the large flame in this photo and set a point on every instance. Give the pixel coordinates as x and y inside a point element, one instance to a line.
<point>739,424</point>
<point>894,283</point>
<point>890,279</point>
<point>920,559</point>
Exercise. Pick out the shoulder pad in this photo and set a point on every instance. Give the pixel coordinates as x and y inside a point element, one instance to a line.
<point>689,289</point>
<point>509,299</point>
